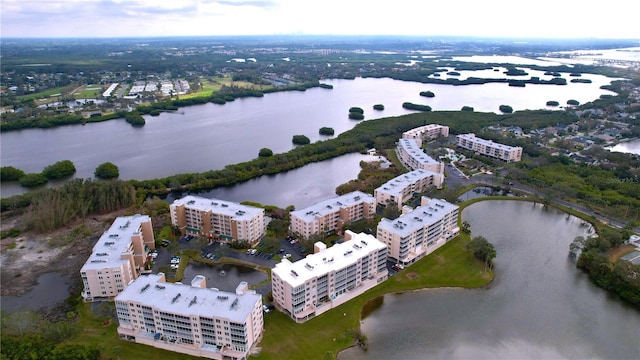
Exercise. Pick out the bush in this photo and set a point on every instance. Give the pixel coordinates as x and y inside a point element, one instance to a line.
<point>326,131</point>
<point>300,140</point>
<point>134,118</point>
<point>106,171</point>
<point>378,107</point>
<point>356,116</point>
<point>552,103</point>
<point>506,109</point>
<point>429,94</point>
<point>573,102</point>
<point>9,173</point>
<point>59,170</point>
<point>34,179</point>
<point>265,152</point>
<point>412,106</point>
<point>467,108</point>
<point>356,110</point>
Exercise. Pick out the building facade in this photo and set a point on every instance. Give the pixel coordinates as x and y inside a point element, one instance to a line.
<point>218,219</point>
<point>329,277</point>
<point>420,231</point>
<point>411,155</point>
<point>330,215</point>
<point>426,132</point>
<point>190,319</point>
<point>489,148</point>
<point>405,186</point>
<point>119,256</point>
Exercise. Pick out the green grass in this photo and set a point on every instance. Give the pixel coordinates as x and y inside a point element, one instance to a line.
<point>47,93</point>
<point>87,93</point>
<point>209,86</point>
<point>324,336</point>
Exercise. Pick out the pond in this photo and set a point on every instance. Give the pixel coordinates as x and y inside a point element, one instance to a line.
<point>539,306</point>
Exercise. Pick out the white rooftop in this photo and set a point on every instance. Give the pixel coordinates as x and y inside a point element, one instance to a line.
<point>427,214</point>
<point>235,210</point>
<point>413,149</point>
<point>189,300</point>
<point>396,185</point>
<point>472,137</point>
<point>332,205</point>
<point>334,258</point>
<point>114,242</point>
<point>421,129</point>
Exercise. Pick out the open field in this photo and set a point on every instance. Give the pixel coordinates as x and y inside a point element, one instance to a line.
<point>211,85</point>
<point>64,90</point>
<point>88,92</point>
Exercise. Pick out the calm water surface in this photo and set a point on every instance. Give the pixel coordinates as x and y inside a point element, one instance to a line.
<point>204,137</point>
<point>51,289</point>
<point>630,147</point>
<point>538,307</point>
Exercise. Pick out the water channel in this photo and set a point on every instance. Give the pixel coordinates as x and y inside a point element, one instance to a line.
<point>539,306</point>
<point>629,147</point>
<point>204,137</point>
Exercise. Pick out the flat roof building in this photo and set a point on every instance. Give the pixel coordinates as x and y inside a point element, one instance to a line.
<point>117,258</point>
<point>218,219</point>
<point>489,148</point>
<point>329,277</point>
<point>330,215</point>
<point>404,187</point>
<point>190,319</point>
<point>411,155</point>
<point>426,132</point>
<point>420,231</point>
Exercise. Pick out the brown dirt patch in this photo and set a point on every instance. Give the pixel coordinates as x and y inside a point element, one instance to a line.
<point>412,275</point>
<point>34,254</point>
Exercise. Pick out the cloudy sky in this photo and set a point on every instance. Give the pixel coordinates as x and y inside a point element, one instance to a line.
<point>134,18</point>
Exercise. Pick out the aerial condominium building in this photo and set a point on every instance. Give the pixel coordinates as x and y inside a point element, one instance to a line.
<point>411,155</point>
<point>218,219</point>
<point>117,258</point>
<point>329,277</point>
<point>419,232</point>
<point>426,132</point>
<point>330,215</point>
<point>405,186</point>
<point>489,148</point>
<point>190,319</point>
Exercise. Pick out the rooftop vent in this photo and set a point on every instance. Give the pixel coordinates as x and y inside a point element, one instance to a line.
<point>175,298</point>
<point>145,288</point>
<point>222,297</point>
<point>193,301</point>
<point>160,287</point>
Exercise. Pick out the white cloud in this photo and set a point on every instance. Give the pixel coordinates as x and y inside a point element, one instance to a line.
<point>544,18</point>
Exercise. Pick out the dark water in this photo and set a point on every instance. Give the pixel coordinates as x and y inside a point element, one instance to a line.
<point>538,307</point>
<point>51,289</point>
<point>205,137</point>
<point>224,277</point>
<point>300,187</point>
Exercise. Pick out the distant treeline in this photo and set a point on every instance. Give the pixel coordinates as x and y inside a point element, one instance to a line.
<point>226,94</point>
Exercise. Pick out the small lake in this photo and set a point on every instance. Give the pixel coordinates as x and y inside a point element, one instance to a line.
<point>224,277</point>
<point>629,147</point>
<point>52,288</point>
<point>539,306</point>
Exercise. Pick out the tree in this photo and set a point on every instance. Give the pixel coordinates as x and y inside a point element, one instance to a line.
<point>300,140</point>
<point>265,152</point>
<point>9,173</point>
<point>59,170</point>
<point>356,109</point>
<point>429,94</point>
<point>466,227</point>
<point>32,180</point>
<point>378,107</point>
<point>326,131</point>
<point>483,250</point>
<point>506,109</point>
<point>107,171</point>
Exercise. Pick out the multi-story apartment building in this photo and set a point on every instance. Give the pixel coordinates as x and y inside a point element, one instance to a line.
<point>218,219</point>
<point>412,156</point>
<point>426,132</point>
<point>117,258</point>
<point>489,148</point>
<point>419,232</point>
<point>329,277</point>
<point>190,319</point>
<point>330,215</point>
<point>405,186</point>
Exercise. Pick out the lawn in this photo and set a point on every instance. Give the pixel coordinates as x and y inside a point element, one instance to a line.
<point>324,336</point>
<point>47,93</point>
<point>88,92</point>
<point>211,85</point>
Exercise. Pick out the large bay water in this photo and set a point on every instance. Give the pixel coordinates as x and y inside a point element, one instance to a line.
<point>539,306</point>
<point>630,147</point>
<point>205,137</point>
